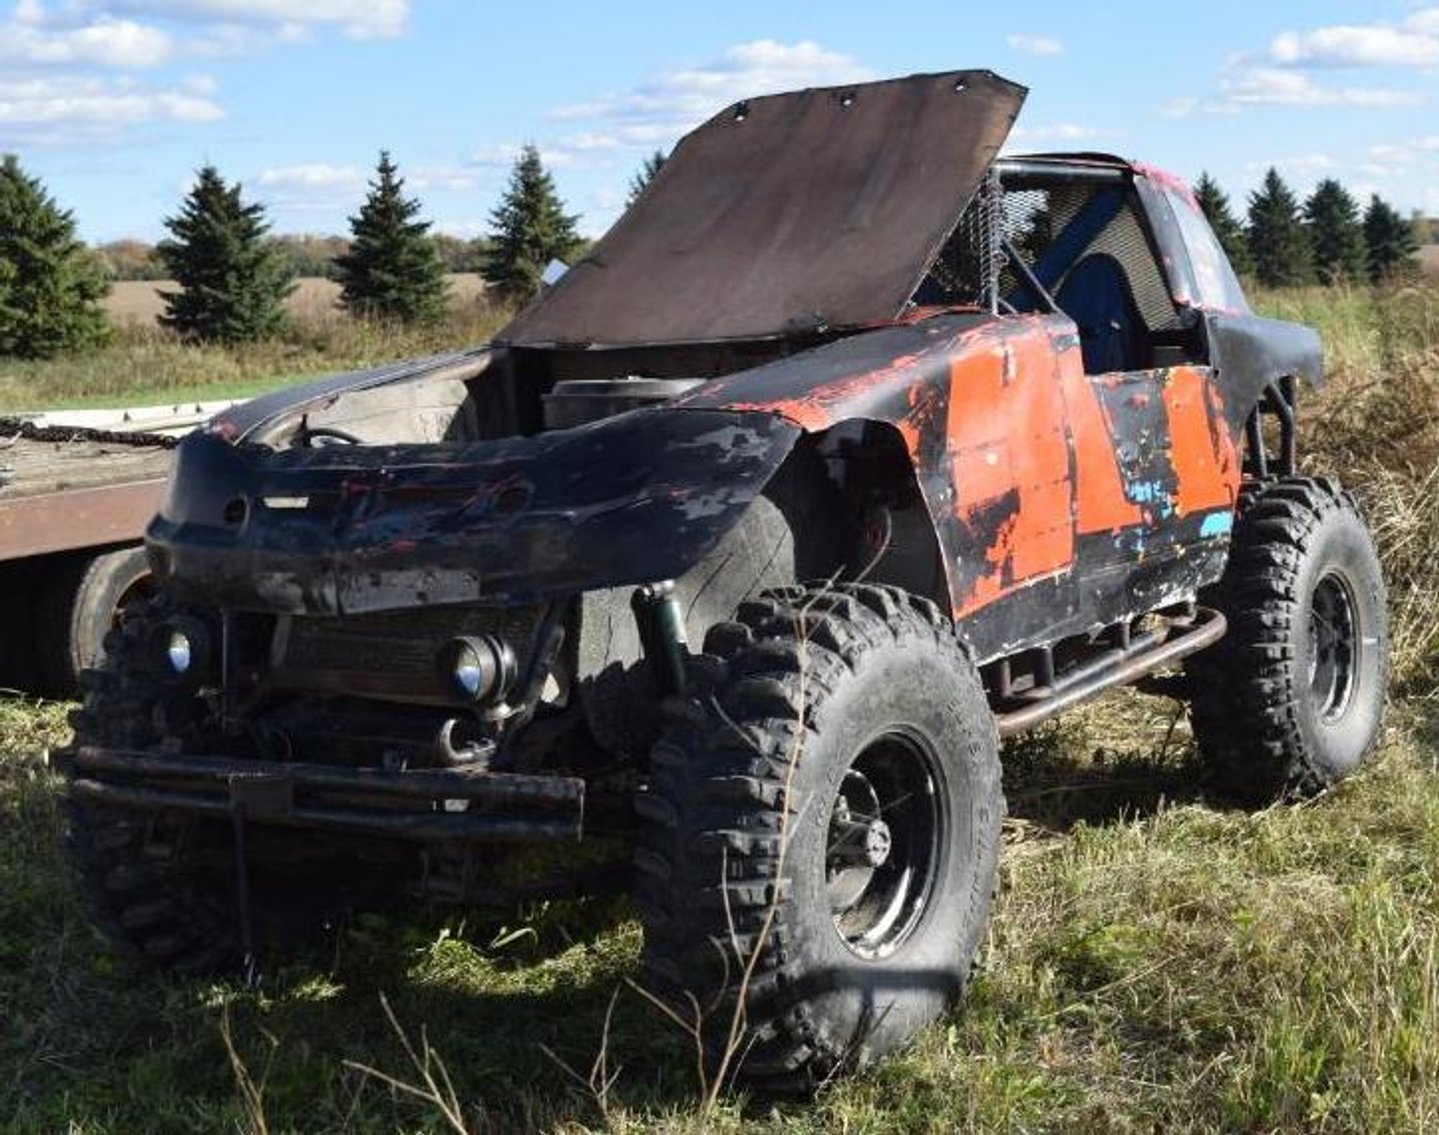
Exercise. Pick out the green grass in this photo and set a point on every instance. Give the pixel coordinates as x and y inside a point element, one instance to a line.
<point>221,391</point>
<point>1157,961</point>
<point>144,365</point>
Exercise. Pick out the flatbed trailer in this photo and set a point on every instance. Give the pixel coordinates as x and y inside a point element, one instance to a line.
<point>74,503</point>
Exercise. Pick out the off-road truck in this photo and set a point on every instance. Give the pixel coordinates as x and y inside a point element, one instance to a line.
<point>719,575</point>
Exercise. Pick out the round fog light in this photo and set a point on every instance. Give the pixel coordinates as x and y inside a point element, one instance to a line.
<point>180,652</point>
<point>470,676</point>
<point>181,649</point>
<point>478,668</point>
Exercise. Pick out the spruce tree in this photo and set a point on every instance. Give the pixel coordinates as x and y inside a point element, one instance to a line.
<point>1335,234</point>
<point>646,174</point>
<point>234,282</point>
<point>50,285</point>
<point>1214,204</point>
<point>393,269</point>
<point>1278,241</point>
<point>1389,239</point>
<point>530,228</point>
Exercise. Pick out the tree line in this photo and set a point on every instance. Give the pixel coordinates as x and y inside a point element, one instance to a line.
<point>1323,239</point>
<point>233,275</point>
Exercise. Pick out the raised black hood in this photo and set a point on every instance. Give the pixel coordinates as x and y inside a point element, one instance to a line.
<point>818,209</point>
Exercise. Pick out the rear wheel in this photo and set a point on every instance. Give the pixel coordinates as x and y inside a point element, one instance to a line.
<point>1290,700</point>
<point>821,833</point>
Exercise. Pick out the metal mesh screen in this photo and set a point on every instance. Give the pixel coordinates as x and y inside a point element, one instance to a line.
<point>1031,220</point>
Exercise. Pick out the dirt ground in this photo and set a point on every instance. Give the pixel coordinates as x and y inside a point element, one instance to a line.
<point>138,301</point>
<point>1429,257</point>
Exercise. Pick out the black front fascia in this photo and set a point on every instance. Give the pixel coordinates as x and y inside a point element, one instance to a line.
<point>347,529</point>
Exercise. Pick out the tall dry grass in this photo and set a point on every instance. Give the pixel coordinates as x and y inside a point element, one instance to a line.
<point>1375,424</point>
<point>144,362</point>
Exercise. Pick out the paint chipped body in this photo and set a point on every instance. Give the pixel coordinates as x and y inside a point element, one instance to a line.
<point>1062,501</point>
<point>1061,495</point>
<point>1036,410</point>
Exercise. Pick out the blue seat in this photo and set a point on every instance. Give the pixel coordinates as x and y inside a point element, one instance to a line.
<point>1112,334</point>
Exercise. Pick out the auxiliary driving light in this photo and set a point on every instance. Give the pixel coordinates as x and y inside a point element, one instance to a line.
<point>478,668</point>
<point>180,652</point>
<point>181,649</point>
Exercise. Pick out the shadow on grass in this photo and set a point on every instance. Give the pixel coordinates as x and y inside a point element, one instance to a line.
<point>1124,759</point>
<point>104,1047</point>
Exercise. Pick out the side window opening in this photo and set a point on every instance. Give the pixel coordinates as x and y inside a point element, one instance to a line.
<point>1086,245</point>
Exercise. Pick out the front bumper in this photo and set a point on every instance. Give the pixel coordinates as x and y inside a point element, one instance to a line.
<point>430,806</point>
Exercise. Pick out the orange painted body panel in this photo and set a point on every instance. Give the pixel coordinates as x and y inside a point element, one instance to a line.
<point>1206,462</point>
<point>1100,502</point>
<point>1093,491</point>
<point>1007,438</point>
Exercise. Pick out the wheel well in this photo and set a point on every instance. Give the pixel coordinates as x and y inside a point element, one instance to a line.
<point>853,503</point>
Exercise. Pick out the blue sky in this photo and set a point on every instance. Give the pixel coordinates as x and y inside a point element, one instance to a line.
<point>115,102</point>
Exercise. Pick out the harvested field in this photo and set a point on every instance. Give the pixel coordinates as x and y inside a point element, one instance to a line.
<point>138,301</point>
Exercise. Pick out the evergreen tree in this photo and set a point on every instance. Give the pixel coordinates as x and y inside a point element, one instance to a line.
<point>646,174</point>
<point>1335,234</point>
<point>233,280</point>
<point>50,285</point>
<point>1278,242</point>
<point>1214,204</point>
<point>531,228</point>
<point>1389,239</point>
<point>393,270</point>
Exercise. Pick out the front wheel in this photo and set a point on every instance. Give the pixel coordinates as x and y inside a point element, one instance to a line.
<point>1290,700</point>
<point>821,834</point>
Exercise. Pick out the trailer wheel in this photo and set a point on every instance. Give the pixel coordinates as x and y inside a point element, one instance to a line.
<point>1290,700</point>
<point>81,603</point>
<point>821,833</point>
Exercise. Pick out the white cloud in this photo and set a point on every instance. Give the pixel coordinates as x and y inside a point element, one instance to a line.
<point>1297,165</point>
<point>315,175</point>
<point>1393,157</point>
<point>657,112</point>
<point>1249,87</point>
<point>29,40</point>
<point>326,179</point>
<point>505,154</point>
<point>1054,132</point>
<point>358,19</point>
<point>1035,44</point>
<point>1413,43</point>
<point>463,229</point>
<point>453,179</point>
<point>69,109</point>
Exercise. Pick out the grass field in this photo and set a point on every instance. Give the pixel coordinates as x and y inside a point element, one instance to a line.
<point>144,364</point>
<point>1158,961</point>
<point>138,301</point>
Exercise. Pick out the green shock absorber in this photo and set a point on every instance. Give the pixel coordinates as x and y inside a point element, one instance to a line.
<point>661,625</point>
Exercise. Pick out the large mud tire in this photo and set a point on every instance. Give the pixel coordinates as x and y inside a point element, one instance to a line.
<point>1290,700</point>
<point>161,886</point>
<point>810,704</point>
